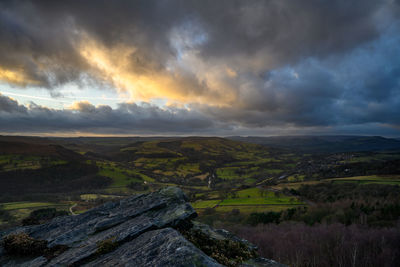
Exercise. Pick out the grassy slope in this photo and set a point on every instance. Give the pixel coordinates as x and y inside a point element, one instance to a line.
<point>370,179</point>
<point>171,161</point>
<point>183,157</point>
<point>236,163</point>
<point>250,200</point>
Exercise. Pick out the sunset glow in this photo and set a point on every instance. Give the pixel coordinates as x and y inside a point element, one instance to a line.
<point>265,67</point>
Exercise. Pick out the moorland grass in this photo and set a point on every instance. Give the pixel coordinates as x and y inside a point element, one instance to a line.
<point>371,179</point>
<point>202,204</point>
<point>26,205</point>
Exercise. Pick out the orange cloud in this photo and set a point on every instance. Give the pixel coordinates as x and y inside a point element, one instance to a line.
<point>16,77</point>
<point>144,83</point>
<point>82,106</point>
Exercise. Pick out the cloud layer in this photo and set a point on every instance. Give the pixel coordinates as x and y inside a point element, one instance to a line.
<point>83,117</point>
<point>222,66</point>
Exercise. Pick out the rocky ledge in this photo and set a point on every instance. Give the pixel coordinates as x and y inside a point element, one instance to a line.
<point>154,229</point>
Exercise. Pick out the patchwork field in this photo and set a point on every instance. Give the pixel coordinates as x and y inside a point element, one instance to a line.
<point>218,175</point>
<point>20,162</point>
<point>90,197</point>
<point>250,200</point>
<point>193,161</point>
<point>370,179</point>
<point>243,209</point>
<point>373,179</point>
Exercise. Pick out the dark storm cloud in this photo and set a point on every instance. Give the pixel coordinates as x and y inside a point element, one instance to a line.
<point>289,29</point>
<point>272,63</point>
<point>8,105</point>
<point>360,87</point>
<point>36,33</point>
<point>38,47</point>
<point>84,117</point>
<point>130,118</point>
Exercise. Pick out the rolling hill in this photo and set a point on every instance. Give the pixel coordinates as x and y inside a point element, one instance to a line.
<point>29,168</point>
<point>325,144</point>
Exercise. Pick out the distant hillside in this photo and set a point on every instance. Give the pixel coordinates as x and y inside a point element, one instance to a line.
<point>21,148</point>
<point>325,144</point>
<point>200,148</point>
<point>199,160</point>
<point>30,166</point>
<point>34,146</point>
<point>213,146</point>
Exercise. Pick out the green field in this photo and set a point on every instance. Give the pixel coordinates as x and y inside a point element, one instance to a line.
<point>213,172</point>
<point>202,204</point>
<point>249,200</point>
<point>88,197</point>
<point>372,179</point>
<point>121,177</point>
<point>20,210</point>
<point>21,162</point>
<point>254,208</point>
<point>294,185</point>
<point>26,205</point>
<point>195,157</point>
<point>256,196</point>
<point>296,178</point>
<point>228,173</point>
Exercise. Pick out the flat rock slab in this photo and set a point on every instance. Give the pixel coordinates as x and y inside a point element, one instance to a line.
<point>139,229</point>
<point>165,247</point>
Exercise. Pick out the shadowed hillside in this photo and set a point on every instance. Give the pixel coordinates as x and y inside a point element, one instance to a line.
<point>31,166</point>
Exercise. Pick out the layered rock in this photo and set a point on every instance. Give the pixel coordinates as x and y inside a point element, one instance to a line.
<point>154,229</point>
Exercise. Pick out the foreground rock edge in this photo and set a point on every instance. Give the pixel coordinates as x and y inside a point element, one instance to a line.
<point>152,229</point>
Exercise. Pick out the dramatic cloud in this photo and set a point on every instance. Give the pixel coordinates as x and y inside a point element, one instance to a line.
<point>8,105</point>
<point>87,118</point>
<point>216,66</point>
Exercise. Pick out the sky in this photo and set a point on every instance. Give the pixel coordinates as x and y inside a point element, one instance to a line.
<point>205,67</point>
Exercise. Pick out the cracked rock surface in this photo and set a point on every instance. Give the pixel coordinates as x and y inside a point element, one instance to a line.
<point>142,230</point>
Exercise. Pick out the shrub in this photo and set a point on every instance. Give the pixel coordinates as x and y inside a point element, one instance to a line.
<point>227,252</point>
<point>43,215</point>
<point>106,246</point>
<point>138,186</point>
<point>23,245</point>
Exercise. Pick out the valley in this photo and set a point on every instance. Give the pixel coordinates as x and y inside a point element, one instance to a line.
<point>220,176</point>
<point>261,192</point>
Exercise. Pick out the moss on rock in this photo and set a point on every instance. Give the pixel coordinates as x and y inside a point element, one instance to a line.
<point>226,251</point>
<point>22,244</point>
<point>106,246</point>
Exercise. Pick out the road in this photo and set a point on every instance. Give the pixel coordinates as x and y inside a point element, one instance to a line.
<point>71,209</point>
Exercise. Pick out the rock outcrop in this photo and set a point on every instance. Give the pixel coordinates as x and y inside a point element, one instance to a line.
<point>154,229</point>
